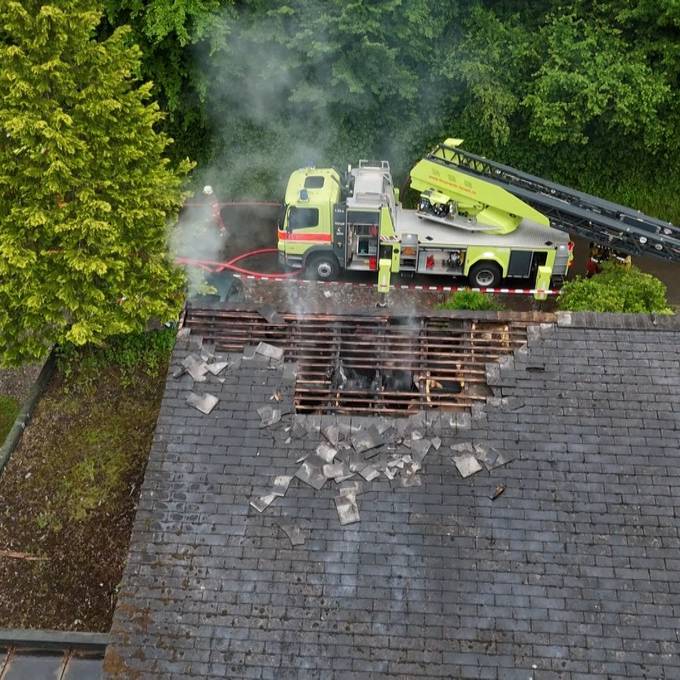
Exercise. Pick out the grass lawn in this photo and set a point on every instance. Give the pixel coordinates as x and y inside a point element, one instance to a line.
<point>69,492</point>
<point>9,408</point>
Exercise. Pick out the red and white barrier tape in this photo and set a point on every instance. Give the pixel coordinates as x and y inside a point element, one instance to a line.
<point>210,265</point>
<point>405,286</point>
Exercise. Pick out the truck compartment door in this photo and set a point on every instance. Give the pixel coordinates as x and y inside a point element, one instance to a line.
<point>520,263</point>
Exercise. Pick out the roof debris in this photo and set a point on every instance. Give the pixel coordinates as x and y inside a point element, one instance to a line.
<point>311,472</point>
<point>348,510</point>
<point>217,367</point>
<point>205,403</point>
<point>500,489</point>
<point>195,367</point>
<point>263,502</point>
<point>348,450</point>
<point>327,453</point>
<point>269,351</point>
<point>269,415</point>
<point>467,464</point>
<point>269,314</point>
<point>281,484</point>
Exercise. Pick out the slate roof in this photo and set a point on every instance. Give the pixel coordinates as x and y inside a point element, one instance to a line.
<point>574,572</point>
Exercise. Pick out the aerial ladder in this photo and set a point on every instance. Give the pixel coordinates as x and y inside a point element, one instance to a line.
<point>610,225</point>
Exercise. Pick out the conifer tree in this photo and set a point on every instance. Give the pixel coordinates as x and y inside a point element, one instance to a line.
<point>86,194</point>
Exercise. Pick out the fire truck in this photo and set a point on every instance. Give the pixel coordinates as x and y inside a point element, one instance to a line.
<point>474,218</point>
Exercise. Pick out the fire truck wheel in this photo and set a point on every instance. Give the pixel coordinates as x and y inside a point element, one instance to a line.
<point>322,267</point>
<point>485,275</point>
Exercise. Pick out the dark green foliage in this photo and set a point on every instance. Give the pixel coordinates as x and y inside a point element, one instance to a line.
<point>85,190</point>
<point>129,353</point>
<point>616,289</point>
<point>472,300</point>
<point>583,92</point>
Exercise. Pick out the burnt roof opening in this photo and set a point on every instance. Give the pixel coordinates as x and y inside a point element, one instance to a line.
<point>374,364</point>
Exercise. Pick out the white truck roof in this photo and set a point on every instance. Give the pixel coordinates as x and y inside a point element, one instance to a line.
<point>527,235</point>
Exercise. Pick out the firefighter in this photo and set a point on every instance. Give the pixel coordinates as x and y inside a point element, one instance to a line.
<point>214,209</point>
<point>598,254</point>
<point>622,259</point>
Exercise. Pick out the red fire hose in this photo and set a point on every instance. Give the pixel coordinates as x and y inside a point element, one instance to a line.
<point>211,265</point>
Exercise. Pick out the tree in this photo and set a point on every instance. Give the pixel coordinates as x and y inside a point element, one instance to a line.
<point>85,190</point>
<point>616,289</point>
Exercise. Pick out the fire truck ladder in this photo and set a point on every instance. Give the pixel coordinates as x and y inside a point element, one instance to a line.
<point>603,222</point>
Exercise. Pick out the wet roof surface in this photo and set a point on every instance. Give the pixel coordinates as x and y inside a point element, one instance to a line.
<point>571,572</point>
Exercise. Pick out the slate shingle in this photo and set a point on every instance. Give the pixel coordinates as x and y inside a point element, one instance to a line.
<point>572,573</point>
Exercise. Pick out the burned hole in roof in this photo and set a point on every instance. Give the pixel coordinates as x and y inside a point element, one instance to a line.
<point>360,364</point>
<point>398,366</point>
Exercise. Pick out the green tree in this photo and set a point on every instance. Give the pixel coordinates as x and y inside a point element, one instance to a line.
<point>616,289</point>
<point>85,190</point>
<point>168,32</point>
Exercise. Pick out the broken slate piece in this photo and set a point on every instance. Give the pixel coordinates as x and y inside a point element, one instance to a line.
<point>500,460</point>
<point>332,434</point>
<point>388,473</point>
<point>268,313</point>
<point>269,415</point>
<point>369,473</point>
<point>411,479</point>
<point>195,367</point>
<point>356,463</point>
<point>366,440</point>
<point>205,403</point>
<point>217,367</point>
<point>334,470</point>
<point>294,534</point>
<point>467,464</point>
<point>179,372</point>
<point>348,511</point>
<point>463,447</point>
<point>326,452</point>
<point>311,472</point>
<point>207,352</point>
<point>263,502</point>
<point>486,455</point>
<point>352,489</point>
<point>344,474</point>
<point>416,435</point>
<point>269,351</point>
<point>281,484</point>
<point>420,448</point>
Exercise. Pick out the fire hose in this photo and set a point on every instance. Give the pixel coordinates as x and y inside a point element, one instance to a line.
<point>211,265</point>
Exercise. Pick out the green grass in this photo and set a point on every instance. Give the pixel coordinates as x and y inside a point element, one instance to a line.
<point>103,409</point>
<point>471,300</point>
<point>9,408</point>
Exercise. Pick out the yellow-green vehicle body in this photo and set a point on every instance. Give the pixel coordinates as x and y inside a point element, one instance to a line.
<point>485,234</point>
<point>311,195</point>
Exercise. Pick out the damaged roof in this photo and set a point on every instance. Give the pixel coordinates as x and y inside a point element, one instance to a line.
<point>540,539</point>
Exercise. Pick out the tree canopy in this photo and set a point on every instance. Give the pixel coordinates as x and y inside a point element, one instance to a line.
<point>584,91</point>
<point>85,190</point>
